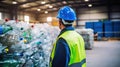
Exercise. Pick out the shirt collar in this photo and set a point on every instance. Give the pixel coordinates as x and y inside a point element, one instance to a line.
<point>66,29</point>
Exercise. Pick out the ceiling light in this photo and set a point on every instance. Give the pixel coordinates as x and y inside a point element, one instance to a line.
<point>38,9</point>
<point>47,5</point>
<point>14,2</point>
<point>50,6</point>
<point>49,19</point>
<point>43,2</point>
<point>64,2</point>
<point>54,8</point>
<point>25,5</point>
<point>46,12</point>
<point>86,0</point>
<point>90,5</point>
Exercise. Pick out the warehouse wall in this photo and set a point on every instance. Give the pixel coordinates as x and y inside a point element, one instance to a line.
<point>43,18</point>
<point>31,16</point>
<point>91,14</point>
<point>7,14</point>
<point>96,14</point>
<point>115,13</point>
<point>4,13</point>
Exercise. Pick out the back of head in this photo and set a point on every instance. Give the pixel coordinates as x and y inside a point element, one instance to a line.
<point>66,15</point>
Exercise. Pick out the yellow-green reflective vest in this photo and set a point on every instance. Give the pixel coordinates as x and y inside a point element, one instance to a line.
<point>77,49</point>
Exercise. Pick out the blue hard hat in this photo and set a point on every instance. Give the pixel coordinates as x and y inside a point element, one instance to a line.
<point>66,13</point>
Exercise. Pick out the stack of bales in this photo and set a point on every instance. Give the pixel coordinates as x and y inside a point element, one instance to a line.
<point>87,35</point>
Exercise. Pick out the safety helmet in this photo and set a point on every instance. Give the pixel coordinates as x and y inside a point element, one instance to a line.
<point>66,13</point>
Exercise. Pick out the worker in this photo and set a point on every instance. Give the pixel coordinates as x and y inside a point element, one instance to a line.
<point>68,50</point>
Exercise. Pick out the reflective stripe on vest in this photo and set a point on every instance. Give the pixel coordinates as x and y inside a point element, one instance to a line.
<point>77,49</point>
<point>79,64</point>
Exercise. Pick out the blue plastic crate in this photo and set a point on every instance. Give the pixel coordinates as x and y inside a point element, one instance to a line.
<point>108,34</point>
<point>108,23</point>
<point>89,25</point>
<point>116,23</point>
<point>108,28</point>
<point>100,34</point>
<point>108,31</point>
<point>117,35</point>
<point>98,24</point>
<point>98,29</point>
<point>116,29</point>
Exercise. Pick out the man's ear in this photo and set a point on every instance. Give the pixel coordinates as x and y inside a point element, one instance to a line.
<point>60,23</point>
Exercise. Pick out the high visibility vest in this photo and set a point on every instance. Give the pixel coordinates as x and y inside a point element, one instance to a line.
<point>76,46</point>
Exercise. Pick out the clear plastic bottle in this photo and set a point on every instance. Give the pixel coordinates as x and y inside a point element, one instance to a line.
<point>4,29</point>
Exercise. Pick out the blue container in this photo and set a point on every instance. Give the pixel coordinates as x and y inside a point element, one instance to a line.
<point>108,29</point>
<point>89,25</point>
<point>100,34</point>
<point>117,31</point>
<point>107,23</point>
<point>116,23</point>
<point>99,31</point>
<point>98,28</point>
<point>108,34</point>
<point>98,25</point>
<point>117,35</point>
<point>116,28</point>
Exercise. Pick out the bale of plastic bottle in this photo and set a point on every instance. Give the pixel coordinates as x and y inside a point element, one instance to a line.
<point>88,37</point>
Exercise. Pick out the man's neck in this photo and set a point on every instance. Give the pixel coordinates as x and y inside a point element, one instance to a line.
<point>62,27</point>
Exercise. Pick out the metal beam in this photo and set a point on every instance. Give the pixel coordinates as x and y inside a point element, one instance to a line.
<point>5,6</point>
<point>29,1</point>
<point>95,4</point>
<point>77,13</point>
<point>65,4</point>
<point>47,3</point>
<point>98,4</point>
<point>109,9</point>
<point>41,5</point>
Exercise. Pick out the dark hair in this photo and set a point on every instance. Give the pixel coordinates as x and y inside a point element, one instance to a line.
<point>66,25</point>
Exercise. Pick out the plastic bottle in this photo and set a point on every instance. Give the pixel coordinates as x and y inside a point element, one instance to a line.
<point>4,29</point>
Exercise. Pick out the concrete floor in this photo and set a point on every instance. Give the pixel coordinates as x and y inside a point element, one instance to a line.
<point>104,54</point>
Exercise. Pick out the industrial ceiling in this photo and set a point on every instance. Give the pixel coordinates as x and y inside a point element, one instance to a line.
<point>52,5</point>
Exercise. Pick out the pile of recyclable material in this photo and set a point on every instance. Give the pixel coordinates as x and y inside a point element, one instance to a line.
<point>28,45</point>
<point>2,48</point>
<point>88,37</point>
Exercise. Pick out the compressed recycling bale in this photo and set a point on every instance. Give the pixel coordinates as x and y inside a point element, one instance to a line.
<point>87,35</point>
